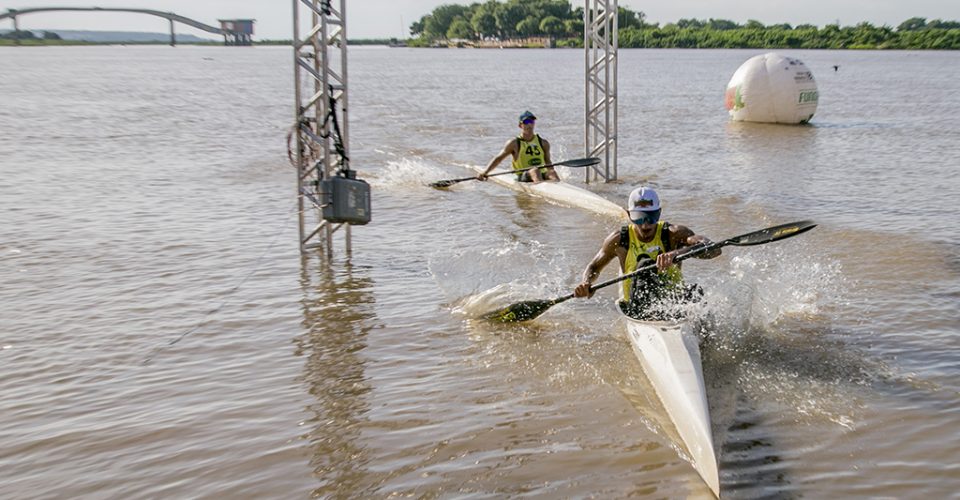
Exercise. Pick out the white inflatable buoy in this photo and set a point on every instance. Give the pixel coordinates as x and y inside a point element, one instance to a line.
<point>772,88</point>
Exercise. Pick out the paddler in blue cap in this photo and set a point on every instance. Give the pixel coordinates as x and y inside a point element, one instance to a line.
<point>528,150</point>
<point>647,240</point>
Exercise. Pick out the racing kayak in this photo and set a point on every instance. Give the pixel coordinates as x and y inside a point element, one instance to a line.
<point>561,193</point>
<point>670,354</point>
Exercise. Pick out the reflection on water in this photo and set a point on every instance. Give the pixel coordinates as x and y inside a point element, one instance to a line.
<point>772,160</point>
<point>770,134</point>
<point>338,312</point>
<point>745,371</point>
<point>751,466</point>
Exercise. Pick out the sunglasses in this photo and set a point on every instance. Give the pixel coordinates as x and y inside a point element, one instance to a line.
<point>646,217</point>
<point>528,121</point>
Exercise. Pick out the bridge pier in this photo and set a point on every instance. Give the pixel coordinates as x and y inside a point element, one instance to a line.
<point>237,32</point>
<point>173,35</point>
<point>237,39</point>
<point>16,31</point>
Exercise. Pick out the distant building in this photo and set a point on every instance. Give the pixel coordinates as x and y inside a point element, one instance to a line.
<point>237,31</point>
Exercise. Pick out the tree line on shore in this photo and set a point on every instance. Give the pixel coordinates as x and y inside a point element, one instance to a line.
<point>512,19</point>
<point>25,35</point>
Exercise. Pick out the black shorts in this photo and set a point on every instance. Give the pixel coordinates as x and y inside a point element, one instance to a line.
<point>659,308</point>
<point>525,176</point>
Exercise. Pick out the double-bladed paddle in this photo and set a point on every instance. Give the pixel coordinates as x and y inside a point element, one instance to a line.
<point>530,309</point>
<point>579,162</point>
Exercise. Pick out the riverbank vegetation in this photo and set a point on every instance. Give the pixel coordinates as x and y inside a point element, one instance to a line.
<point>23,37</point>
<point>554,23</point>
<point>494,22</point>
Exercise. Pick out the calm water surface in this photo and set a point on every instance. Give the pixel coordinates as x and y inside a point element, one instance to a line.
<point>163,337</point>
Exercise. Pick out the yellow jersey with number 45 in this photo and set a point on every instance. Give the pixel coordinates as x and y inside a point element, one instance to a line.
<point>530,154</point>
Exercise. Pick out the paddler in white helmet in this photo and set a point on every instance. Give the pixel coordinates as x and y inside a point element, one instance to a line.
<point>647,240</point>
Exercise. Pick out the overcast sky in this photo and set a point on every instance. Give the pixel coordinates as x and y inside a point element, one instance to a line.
<point>392,18</point>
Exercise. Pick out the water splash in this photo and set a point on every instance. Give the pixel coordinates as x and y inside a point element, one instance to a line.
<point>765,286</point>
<point>477,281</point>
<point>474,306</point>
<point>769,317</point>
<point>406,173</point>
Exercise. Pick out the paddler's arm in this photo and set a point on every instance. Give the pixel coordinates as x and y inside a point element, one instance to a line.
<point>607,252</point>
<point>681,238</point>
<point>535,175</point>
<point>508,150</point>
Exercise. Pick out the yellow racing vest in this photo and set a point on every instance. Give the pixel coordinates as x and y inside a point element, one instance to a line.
<point>530,154</point>
<point>636,249</point>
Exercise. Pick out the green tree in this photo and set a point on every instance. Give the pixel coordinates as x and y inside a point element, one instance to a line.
<point>416,29</point>
<point>460,28</point>
<point>574,27</point>
<point>22,35</point>
<point>439,21</point>
<point>722,24</point>
<point>552,25</point>
<point>943,25</point>
<point>913,24</point>
<point>484,23</point>
<point>690,23</point>
<point>555,8</point>
<point>509,16</point>
<point>529,26</point>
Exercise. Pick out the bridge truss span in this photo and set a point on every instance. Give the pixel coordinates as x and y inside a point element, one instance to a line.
<point>231,37</point>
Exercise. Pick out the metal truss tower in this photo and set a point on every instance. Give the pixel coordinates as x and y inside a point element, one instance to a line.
<point>600,104</point>
<point>322,128</point>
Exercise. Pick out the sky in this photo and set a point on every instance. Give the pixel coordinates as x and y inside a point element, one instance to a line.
<point>392,18</point>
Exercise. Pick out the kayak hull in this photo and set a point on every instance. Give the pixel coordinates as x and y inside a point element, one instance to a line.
<point>670,354</point>
<point>561,193</point>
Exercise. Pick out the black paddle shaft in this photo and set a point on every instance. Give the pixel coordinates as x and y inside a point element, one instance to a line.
<point>576,163</point>
<point>530,309</point>
<point>767,235</point>
<point>690,252</point>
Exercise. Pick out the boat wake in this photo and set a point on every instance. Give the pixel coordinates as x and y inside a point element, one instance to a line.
<point>406,173</point>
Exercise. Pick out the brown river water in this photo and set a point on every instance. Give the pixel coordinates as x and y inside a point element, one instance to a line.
<point>162,337</point>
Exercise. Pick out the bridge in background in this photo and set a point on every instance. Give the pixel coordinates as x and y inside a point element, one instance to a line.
<point>234,31</point>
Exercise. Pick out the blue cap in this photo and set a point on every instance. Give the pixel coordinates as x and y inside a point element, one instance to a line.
<point>527,116</point>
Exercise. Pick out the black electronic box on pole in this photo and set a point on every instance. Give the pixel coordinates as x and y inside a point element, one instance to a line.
<point>345,198</point>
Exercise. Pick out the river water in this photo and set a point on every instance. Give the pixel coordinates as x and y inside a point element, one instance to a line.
<point>163,337</point>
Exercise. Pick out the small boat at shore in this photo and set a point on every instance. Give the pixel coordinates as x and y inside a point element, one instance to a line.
<point>670,354</point>
<point>562,193</point>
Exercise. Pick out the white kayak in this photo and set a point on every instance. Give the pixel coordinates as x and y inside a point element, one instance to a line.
<point>670,354</point>
<point>561,193</point>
